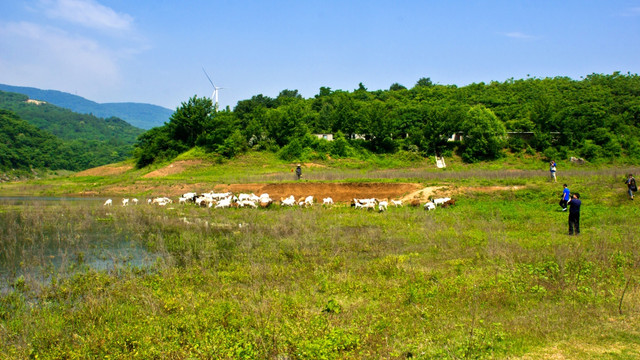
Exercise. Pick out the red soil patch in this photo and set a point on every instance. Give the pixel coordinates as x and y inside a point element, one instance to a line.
<point>175,168</point>
<point>105,170</point>
<point>339,192</point>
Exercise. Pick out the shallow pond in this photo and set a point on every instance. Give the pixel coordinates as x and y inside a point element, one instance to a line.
<point>40,237</point>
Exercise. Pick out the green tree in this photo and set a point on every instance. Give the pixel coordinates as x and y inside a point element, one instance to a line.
<point>396,87</point>
<point>484,134</point>
<point>190,119</point>
<point>424,82</point>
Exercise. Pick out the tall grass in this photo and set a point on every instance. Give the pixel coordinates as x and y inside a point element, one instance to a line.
<point>496,276</point>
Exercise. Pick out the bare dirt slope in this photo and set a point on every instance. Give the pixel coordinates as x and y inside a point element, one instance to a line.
<point>106,170</point>
<point>175,168</point>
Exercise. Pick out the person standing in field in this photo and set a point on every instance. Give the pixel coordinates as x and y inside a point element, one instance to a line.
<point>631,184</point>
<point>566,195</point>
<point>552,170</point>
<point>574,214</point>
<point>298,171</point>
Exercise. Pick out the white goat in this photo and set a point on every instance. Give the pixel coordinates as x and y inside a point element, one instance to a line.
<point>327,201</point>
<point>265,200</point>
<point>290,201</point>
<point>429,206</point>
<point>397,203</point>
<point>369,205</point>
<point>382,206</point>
<point>125,202</point>
<point>109,202</point>
<point>161,201</point>
<point>218,196</point>
<point>252,197</point>
<point>134,201</point>
<point>224,203</point>
<point>190,196</point>
<point>365,201</point>
<point>247,202</point>
<point>308,201</point>
<point>441,201</point>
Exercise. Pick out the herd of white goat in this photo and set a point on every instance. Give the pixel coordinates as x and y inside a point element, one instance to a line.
<point>228,200</point>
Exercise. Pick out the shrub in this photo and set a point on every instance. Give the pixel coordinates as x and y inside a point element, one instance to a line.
<point>291,151</point>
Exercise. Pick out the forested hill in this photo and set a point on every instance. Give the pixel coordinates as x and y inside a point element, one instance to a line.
<point>144,116</point>
<point>24,147</point>
<point>67,124</point>
<point>597,118</point>
<point>44,136</point>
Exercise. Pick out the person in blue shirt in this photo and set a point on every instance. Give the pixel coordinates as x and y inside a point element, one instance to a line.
<point>566,195</point>
<point>574,213</point>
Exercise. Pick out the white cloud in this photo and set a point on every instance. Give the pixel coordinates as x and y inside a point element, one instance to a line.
<point>87,13</point>
<point>43,56</point>
<point>518,35</point>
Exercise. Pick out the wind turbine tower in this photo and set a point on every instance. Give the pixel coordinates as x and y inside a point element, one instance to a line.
<point>214,95</point>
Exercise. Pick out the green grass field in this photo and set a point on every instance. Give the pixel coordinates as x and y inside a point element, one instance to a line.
<point>495,276</point>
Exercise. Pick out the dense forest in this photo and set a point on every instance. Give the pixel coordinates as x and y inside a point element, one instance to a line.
<point>24,146</point>
<point>46,136</point>
<point>596,118</point>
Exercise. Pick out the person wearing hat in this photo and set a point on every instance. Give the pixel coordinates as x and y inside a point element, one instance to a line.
<point>631,184</point>
<point>298,171</point>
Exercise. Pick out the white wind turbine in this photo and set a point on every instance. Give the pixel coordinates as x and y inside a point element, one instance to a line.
<point>215,90</point>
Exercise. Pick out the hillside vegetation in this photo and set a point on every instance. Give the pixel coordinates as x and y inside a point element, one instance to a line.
<point>58,138</point>
<point>144,116</point>
<point>595,118</point>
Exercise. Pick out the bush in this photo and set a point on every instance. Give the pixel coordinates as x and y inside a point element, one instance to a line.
<point>550,153</point>
<point>589,150</point>
<point>233,145</point>
<point>291,151</point>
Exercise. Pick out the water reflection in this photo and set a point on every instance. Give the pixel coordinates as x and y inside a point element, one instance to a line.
<point>40,237</point>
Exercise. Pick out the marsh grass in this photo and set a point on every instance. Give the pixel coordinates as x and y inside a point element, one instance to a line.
<point>496,276</point>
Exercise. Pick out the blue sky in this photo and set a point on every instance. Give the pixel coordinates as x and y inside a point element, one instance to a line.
<point>154,51</point>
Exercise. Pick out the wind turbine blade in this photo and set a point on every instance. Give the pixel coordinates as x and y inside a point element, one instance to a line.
<point>207,75</point>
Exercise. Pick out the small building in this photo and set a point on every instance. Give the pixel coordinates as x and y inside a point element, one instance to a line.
<point>328,137</point>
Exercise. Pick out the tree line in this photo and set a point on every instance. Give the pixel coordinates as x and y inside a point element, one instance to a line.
<point>595,118</point>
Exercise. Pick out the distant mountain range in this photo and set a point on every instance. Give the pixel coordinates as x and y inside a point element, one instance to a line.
<point>144,116</point>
